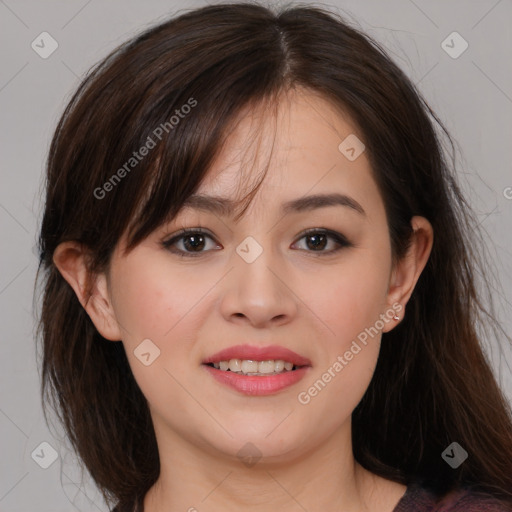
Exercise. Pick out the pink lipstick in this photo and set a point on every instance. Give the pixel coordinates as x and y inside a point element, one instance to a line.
<point>230,367</point>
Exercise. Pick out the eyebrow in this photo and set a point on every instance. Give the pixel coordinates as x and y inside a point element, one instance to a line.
<point>224,206</point>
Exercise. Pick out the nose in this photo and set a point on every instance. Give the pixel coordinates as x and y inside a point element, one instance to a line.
<point>258,293</point>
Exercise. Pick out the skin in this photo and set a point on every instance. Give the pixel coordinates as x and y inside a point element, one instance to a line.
<point>312,302</point>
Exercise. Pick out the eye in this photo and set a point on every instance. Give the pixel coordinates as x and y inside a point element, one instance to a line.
<point>318,239</point>
<point>193,240</point>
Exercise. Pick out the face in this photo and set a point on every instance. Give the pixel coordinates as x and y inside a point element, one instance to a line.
<point>312,280</point>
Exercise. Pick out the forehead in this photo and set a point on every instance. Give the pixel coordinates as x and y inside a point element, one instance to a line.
<point>297,144</point>
<point>301,124</point>
<point>296,147</point>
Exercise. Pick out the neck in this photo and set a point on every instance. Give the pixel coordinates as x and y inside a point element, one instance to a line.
<point>198,478</point>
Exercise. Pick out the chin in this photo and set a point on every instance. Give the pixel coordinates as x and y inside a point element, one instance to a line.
<point>263,443</point>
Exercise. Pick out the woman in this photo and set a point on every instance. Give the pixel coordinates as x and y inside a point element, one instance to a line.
<point>319,353</point>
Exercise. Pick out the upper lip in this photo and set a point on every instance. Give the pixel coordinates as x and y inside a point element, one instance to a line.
<point>257,353</point>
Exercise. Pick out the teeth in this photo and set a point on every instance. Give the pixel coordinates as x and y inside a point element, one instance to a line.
<point>235,365</point>
<point>250,367</point>
<point>266,367</point>
<point>278,366</point>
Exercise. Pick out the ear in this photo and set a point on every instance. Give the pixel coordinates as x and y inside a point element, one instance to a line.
<point>407,271</point>
<point>70,258</point>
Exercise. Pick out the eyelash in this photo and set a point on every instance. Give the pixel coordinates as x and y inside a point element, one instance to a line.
<point>337,237</point>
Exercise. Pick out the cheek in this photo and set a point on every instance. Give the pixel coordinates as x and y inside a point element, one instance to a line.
<point>350,342</point>
<point>352,298</point>
<point>155,308</point>
<point>153,301</point>
<point>150,300</point>
<point>350,301</point>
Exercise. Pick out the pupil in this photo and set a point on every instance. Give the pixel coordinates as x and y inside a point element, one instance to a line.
<point>316,245</point>
<point>194,245</point>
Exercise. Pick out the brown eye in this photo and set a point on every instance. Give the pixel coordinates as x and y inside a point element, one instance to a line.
<point>192,241</point>
<point>317,240</point>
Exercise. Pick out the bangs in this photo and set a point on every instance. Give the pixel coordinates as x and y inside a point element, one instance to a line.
<point>183,159</point>
<point>164,105</point>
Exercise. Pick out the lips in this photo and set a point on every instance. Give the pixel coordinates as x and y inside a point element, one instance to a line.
<point>260,385</point>
<point>255,353</point>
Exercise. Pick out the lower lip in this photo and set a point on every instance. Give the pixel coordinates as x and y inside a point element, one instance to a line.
<point>257,385</point>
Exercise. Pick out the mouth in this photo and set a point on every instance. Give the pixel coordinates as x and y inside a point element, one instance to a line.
<point>253,370</point>
<point>252,367</point>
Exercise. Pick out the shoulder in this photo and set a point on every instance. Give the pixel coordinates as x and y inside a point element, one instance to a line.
<point>465,500</point>
<point>420,499</point>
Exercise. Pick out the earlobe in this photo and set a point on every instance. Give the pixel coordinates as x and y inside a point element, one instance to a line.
<point>92,291</point>
<point>406,273</point>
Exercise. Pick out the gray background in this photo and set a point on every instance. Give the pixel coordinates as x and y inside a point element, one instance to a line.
<point>472,94</point>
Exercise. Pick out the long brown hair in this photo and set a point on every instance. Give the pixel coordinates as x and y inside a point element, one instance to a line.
<point>432,385</point>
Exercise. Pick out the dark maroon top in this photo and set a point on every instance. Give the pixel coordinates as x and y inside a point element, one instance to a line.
<point>418,499</point>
